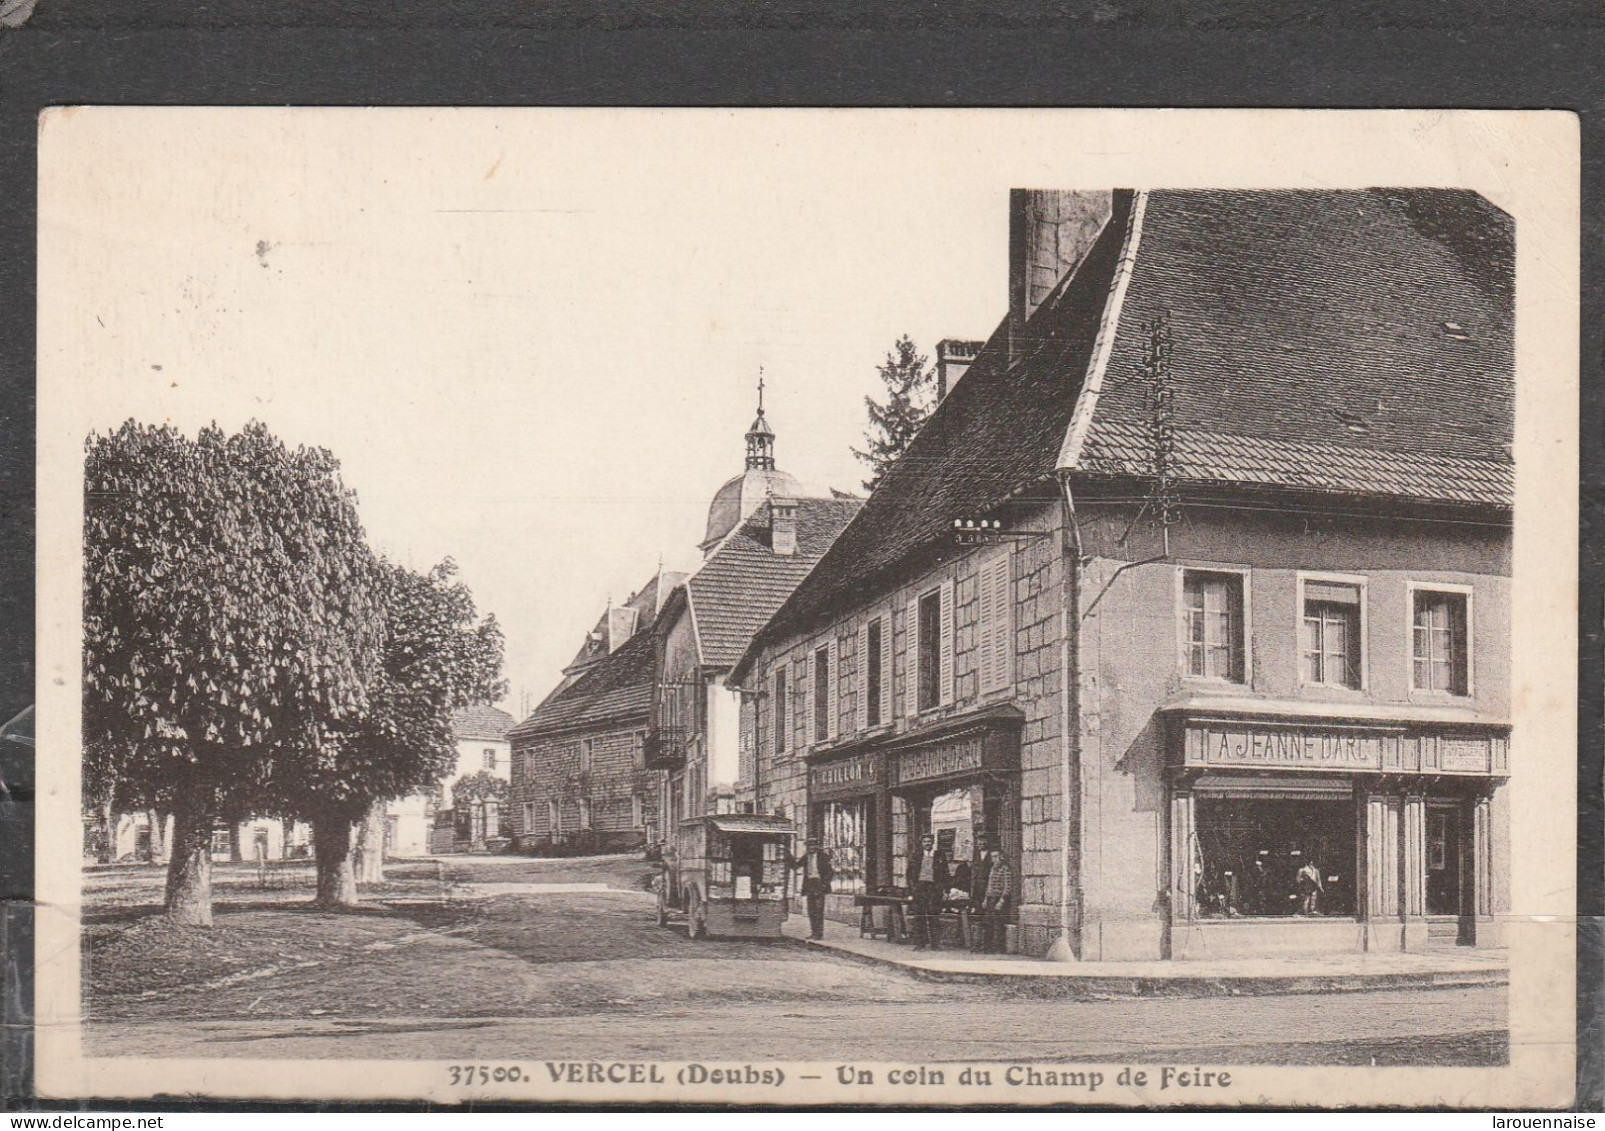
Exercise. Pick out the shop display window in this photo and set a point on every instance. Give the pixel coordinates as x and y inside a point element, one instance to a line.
<point>1258,858</point>
<point>843,831</point>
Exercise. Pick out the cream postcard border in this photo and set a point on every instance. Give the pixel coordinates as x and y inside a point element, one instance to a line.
<point>1525,161</point>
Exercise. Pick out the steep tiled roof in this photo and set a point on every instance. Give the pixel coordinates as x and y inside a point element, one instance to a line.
<point>1357,342</point>
<point>620,622</point>
<point>743,582</point>
<point>616,687</point>
<point>999,430</point>
<point>481,722</point>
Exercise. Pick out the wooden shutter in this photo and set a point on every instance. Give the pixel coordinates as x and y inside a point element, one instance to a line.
<point>887,698</point>
<point>987,624</point>
<point>996,635</point>
<point>806,698</point>
<point>945,672</point>
<point>911,659</point>
<point>863,673</point>
<point>833,684</point>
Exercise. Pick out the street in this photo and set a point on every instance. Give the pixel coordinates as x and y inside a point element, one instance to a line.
<point>547,966</point>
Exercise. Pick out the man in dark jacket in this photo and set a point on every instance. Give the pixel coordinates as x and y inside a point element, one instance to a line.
<point>927,880</point>
<point>817,875</point>
<point>977,890</point>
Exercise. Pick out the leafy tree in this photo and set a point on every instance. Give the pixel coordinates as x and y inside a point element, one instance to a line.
<point>910,397</point>
<point>437,657</point>
<point>230,625</point>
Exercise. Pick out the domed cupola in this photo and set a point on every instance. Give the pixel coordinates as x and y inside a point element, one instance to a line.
<point>745,493</point>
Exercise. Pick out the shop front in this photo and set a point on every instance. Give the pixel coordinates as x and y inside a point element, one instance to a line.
<point>846,799</point>
<point>870,804</point>
<point>1295,836</point>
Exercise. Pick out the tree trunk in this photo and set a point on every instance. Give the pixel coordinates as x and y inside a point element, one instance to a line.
<point>371,839</point>
<point>337,878</point>
<point>158,837</point>
<point>108,831</point>
<point>189,868</point>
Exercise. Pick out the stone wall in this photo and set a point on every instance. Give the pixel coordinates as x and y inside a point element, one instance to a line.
<point>547,768</point>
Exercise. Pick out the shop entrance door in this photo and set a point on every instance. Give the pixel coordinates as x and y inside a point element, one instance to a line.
<point>1445,883</point>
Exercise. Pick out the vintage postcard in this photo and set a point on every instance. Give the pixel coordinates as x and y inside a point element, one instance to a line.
<point>805,607</point>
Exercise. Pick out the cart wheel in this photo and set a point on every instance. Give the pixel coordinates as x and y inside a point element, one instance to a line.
<point>697,919</point>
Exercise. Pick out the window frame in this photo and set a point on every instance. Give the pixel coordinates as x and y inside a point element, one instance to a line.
<point>1444,588</point>
<point>822,697</point>
<point>877,706</point>
<point>488,758</point>
<point>1360,582</point>
<point>587,754</point>
<point>1244,576</point>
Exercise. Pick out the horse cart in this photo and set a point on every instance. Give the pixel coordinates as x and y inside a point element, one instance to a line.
<point>727,875</point>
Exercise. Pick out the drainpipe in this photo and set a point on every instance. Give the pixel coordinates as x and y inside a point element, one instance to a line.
<point>1069,716</point>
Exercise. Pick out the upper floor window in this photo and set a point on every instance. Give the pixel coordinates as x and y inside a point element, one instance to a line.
<point>822,705</point>
<point>1438,652</point>
<point>1331,637</point>
<point>587,749</point>
<point>874,681</point>
<point>930,649</point>
<point>638,748</point>
<point>490,758</point>
<point>1214,611</point>
<point>778,722</point>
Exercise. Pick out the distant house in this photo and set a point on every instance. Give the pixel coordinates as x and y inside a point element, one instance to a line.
<point>427,821</point>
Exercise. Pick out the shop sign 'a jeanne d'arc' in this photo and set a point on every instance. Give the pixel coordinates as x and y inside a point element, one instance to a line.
<point>1287,747</point>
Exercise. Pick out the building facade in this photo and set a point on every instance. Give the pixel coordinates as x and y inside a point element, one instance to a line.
<point>579,779</point>
<point>1192,597</point>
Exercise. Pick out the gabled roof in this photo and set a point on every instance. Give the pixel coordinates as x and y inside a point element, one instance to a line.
<point>743,581</point>
<point>1353,342</point>
<point>997,432</point>
<point>616,688</point>
<point>481,722</point>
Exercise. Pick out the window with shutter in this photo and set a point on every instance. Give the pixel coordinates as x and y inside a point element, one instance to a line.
<point>822,694</point>
<point>884,698</point>
<point>779,718</point>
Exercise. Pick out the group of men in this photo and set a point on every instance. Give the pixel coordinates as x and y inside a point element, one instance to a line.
<point>930,877</point>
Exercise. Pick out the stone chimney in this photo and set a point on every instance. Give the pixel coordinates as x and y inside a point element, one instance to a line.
<point>783,527</point>
<point>1050,231</point>
<point>953,357</point>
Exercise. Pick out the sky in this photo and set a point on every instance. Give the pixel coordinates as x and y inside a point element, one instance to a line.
<point>532,340</point>
<point>532,336</point>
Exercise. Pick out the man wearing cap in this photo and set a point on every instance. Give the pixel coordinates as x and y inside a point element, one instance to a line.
<point>817,874</point>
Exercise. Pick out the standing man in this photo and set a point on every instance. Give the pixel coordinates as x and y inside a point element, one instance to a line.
<point>817,874</point>
<point>977,892</point>
<point>927,880</point>
<point>995,902</point>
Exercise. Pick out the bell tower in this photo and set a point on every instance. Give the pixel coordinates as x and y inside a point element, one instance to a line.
<point>760,438</point>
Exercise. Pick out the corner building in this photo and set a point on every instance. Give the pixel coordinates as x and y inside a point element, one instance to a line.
<point>1192,596</point>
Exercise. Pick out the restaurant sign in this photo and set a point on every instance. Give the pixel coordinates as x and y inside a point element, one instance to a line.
<point>1287,747</point>
<point>961,756</point>
<point>845,777</point>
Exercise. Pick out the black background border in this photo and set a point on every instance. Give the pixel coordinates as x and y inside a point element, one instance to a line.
<point>1406,53</point>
